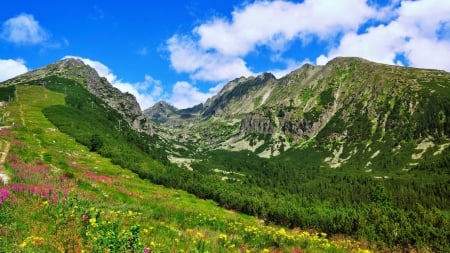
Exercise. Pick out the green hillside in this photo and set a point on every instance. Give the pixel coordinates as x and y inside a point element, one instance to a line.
<point>357,151</point>
<point>63,198</point>
<point>353,147</point>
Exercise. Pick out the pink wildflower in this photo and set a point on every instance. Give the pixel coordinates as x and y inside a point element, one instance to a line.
<point>4,194</point>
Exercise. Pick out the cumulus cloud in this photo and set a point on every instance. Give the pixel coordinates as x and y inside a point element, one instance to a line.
<point>23,29</point>
<point>146,92</point>
<point>185,95</point>
<point>419,33</point>
<point>216,49</point>
<point>187,56</point>
<point>10,68</point>
<point>276,23</point>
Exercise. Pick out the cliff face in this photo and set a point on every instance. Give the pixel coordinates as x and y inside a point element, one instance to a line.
<point>256,122</point>
<point>124,103</point>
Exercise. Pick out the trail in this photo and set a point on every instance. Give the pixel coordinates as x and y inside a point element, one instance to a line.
<point>3,176</point>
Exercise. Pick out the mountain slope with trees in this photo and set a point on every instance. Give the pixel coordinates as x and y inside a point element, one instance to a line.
<point>351,148</point>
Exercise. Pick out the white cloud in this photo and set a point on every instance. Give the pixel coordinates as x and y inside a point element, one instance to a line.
<point>10,68</point>
<point>275,23</point>
<point>291,66</point>
<point>144,99</point>
<point>146,92</point>
<point>418,33</point>
<point>23,29</point>
<point>418,53</point>
<point>216,49</point>
<point>184,95</point>
<point>187,56</point>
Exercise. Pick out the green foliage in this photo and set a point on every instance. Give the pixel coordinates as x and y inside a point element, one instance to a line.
<point>95,143</point>
<point>81,202</point>
<point>297,188</point>
<point>313,114</point>
<point>7,93</point>
<point>326,97</point>
<point>257,102</point>
<point>306,95</point>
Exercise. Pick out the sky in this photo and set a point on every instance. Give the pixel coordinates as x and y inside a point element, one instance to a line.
<point>184,52</point>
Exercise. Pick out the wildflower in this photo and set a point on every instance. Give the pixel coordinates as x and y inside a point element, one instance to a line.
<point>4,194</point>
<point>85,217</point>
<point>223,237</point>
<point>23,244</point>
<point>147,250</point>
<point>199,235</point>
<point>266,251</point>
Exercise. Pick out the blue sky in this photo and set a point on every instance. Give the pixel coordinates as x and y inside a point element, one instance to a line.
<point>185,51</point>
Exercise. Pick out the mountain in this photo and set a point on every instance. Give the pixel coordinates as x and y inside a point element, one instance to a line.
<point>347,102</point>
<point>354,149</point>
<point>124,103</point>
<point>61,196</point>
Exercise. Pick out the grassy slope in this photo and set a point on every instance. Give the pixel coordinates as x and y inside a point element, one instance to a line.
<point>62,197</point>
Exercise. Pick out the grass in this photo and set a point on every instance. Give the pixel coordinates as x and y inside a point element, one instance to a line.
<point>62,197</point>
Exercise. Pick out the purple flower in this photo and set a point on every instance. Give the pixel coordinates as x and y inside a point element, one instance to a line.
<point>85,217</point>
<point>4,194</point>
<point>147,250</point>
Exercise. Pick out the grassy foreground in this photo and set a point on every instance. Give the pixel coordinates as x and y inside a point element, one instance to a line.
<point>63,198</point>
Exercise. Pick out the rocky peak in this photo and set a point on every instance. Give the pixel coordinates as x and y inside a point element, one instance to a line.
<point>238,89</point>
<point>124,103</point>
<point>160,111</point>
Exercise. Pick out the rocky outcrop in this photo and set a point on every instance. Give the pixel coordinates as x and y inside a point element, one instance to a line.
<point>297,128</point>
<point>256,122</point>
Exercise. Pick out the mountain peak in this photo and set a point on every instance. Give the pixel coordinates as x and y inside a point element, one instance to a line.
<point>86,76</point>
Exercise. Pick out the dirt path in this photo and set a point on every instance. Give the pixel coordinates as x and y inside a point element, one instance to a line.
<point>3,176</point>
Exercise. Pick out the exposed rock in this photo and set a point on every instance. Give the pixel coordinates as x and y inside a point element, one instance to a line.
<point>160,111</point>
<point>236,90</point>
<point>255,122</point>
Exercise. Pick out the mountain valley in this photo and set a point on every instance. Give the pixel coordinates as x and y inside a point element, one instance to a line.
<point>353,149</point>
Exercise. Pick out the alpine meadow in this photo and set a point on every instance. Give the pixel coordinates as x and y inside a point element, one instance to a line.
<point>351,156</point>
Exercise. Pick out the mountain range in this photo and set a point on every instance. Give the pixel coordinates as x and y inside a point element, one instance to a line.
<point>352,147</point>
